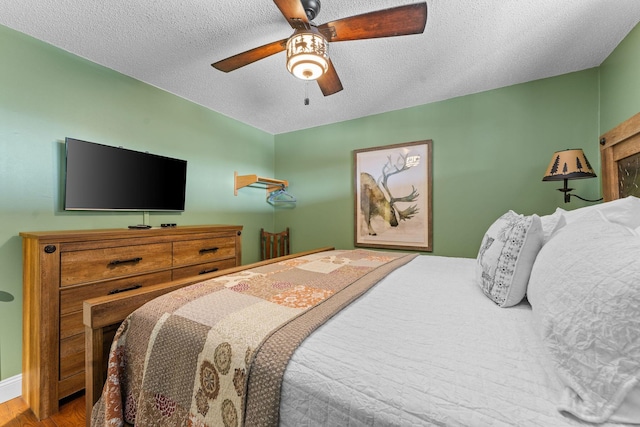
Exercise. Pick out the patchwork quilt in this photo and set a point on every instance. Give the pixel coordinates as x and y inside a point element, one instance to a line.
<point>213,354</point>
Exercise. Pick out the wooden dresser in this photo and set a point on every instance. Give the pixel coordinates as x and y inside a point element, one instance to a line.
<point>61,269</point>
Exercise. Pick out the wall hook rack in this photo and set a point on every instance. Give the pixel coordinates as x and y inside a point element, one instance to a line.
<point>271,184</point>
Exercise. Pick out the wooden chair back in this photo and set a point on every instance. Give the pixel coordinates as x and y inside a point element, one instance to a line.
<point>273,245</point>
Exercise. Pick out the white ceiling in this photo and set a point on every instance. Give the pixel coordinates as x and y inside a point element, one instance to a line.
<point>468,46</point>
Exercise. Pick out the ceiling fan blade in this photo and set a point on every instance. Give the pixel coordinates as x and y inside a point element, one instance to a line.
<point>245,58</point>
<point>294,13</point>
<point>329,82</point>
<point>396,21</point>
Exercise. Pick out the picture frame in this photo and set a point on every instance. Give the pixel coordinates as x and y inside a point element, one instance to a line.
<point>393,196</point>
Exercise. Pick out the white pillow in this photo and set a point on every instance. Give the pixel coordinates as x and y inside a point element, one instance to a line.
<point>621,211</point>
<point>585,294</point>
<point>551,224</point>
<point>506,256</point>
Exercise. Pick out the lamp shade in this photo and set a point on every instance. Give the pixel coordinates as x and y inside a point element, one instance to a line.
<point>568,164</point>
<point>307,56</point>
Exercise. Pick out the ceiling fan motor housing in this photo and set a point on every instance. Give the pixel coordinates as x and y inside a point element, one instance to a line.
<point>311,8</point>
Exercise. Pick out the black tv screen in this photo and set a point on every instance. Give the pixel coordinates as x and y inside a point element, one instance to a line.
<point>100,177</point>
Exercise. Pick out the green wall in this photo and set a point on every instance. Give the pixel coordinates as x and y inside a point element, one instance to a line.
<point>490,151</point>
<point>47,94</point>
<point>620,82</point>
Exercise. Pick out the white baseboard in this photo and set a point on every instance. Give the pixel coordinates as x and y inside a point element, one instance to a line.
<point>10,388</point>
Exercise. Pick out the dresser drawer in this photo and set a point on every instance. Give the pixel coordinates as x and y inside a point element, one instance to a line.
<point>210,267</point>
<point>203,250</point>
<point>71,298</point>
<point>70,385</point>
<point>71,324</point>
<point>99,264</point>
<point>71,355</point>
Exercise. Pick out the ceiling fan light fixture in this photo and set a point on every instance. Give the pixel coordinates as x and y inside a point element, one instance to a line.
<point>307,55</point>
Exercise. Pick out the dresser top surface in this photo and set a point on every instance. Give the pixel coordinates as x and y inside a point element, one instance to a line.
<point>119,233</point>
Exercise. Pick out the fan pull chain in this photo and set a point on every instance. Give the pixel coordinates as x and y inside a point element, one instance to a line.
<point>306,93</point>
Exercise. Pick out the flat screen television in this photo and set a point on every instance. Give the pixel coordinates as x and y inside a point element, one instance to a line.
<point>103,178</point>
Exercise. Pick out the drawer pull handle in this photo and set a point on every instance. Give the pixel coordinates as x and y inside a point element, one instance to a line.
<point>125,261</point>
<point>130,288</point>
<point>211,270</point>
<point>205,250</point>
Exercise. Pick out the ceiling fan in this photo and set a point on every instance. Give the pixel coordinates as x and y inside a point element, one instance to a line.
<point>307,56</point>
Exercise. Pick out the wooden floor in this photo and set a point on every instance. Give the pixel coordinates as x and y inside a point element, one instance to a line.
<point>16,413</point>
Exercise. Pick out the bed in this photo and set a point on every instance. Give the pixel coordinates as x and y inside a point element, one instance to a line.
<point>541,329</point>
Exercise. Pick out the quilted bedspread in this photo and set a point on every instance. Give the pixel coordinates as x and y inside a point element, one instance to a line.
<point>213,354</point>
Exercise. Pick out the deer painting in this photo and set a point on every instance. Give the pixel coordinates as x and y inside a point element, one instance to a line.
<point>374,202</point>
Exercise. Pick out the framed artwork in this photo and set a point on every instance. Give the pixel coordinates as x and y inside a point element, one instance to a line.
<point>393,188</point>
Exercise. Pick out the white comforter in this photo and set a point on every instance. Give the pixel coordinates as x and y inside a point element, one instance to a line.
<point>424,349</point>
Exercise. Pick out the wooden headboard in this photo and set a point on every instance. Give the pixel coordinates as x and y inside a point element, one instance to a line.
<point>620,158</point>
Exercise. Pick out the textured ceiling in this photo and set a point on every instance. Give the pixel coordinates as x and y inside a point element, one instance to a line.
<point>468,46</point>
